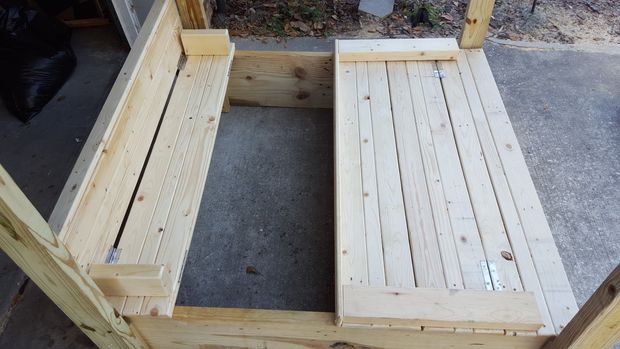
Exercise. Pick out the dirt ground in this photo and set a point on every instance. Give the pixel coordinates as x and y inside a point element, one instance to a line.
<point>557,21</point>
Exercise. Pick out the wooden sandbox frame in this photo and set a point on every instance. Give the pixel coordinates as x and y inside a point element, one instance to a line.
<point>89,293</point>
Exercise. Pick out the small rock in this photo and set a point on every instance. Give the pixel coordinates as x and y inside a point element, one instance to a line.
<point>300,25</point>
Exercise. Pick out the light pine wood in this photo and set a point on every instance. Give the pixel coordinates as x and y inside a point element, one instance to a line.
<point>443,226</point>
<point>374,244</point>
<point>596,325</point>
<point>422,235</point>
<point>175,243</point>
<point>477,19</point>
<point>194,14</point>
<point>397,307</point>
<point>481,194</point>
<point>554,282</point>
<point>396,251</point>
<point>136,67</point>
<point>397,50</point>
<point>282,79</point>
<point>465,230</point>
<point>199,328</point>
<point>28,240</point>
<point>510,216</point>
<point>205,42</point>
<point>132,279</point>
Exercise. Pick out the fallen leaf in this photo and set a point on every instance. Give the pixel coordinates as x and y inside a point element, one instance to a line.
<point>447,17</point>
<point>251,270</point>
<point>300,25</point>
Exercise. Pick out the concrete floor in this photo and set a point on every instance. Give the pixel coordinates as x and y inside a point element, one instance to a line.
<point>268,198</point>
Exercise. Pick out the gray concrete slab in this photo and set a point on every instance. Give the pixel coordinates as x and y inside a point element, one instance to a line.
<point>271,172</point>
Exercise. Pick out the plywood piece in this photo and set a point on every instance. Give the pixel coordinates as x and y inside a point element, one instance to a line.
<point>205,42</point>
<point>132,279</point>
<point>282,79</point>
<point>399,307</point>
<point>397,50</point>
<point>195,328</point>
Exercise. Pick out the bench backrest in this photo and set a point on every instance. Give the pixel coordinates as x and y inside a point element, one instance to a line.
<point>91,207</point>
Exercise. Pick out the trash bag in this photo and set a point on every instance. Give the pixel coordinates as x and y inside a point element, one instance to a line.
<point>36,59</point>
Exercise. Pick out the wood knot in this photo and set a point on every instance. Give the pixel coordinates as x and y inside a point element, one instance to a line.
<point>302,95</point>
<point>154,312</point>
<point>612,290</point>
<point>211,118</point>
<point>141,198</point>
<point>300,73</point>
<point>468,20</point>
<point>367,97</point>
<point>507,255</point>
<point>248,77</point>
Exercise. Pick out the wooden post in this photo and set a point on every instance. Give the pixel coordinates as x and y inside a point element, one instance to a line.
<point>597,324</point>
<point>477,18</point>
<point>195,14</point>
<point>27,238</point>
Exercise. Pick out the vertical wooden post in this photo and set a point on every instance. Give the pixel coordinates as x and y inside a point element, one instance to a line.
<point>27,238</point>
<point>194,14</point>
<point>477,18</point>
<point>597,324</point>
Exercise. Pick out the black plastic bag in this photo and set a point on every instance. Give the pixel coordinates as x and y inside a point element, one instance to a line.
<point>36,59</point>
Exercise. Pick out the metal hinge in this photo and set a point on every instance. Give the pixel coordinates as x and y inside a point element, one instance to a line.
<point>440,74</point>
<point>490,275</point>
<point>113,255</point>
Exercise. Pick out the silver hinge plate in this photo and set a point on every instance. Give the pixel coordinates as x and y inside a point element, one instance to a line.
<point>113,255</point>
<point>497,283</point>
<point>440,74</point>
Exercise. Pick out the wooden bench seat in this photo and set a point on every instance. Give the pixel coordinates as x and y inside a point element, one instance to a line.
<point>134,194</point>
<point>438,221</point>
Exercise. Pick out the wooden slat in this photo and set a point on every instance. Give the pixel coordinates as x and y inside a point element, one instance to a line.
<point>374,245</point>
<point>510,216</point>
<point>99,217</point>
<point>282,79</point>
<point>136,67</point>
<point>397,307</point>
<point>443,226</point>
<point>396,251</point>
<point>397,50</point>
<point>477,19</point>
<point>147,218</point>
<point>186,203</point>
<point>461,214</point>
<point>596,325</point>
<point>28,240</point>
<point>132,279</point>
<point>553,279</point>
<point>488,217</point>
<point>251,328</point>
<point>422,234</point>
<point>205,42</point>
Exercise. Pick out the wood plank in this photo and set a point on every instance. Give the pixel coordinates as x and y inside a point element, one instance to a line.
<point>275,329</point>
<point>396,252</point>
<point>461,214</point>
<point>488,217</point>
<point>28,240</point>
<point>149,211</point>
<point>186,203</point>
<point>422,235</point>
<point>553,279</point>
<point>374,244</point>
<point>443,227</point>
<point>193,14</point>
<point>398,307</point>
<point>596,324</point>
<point>101,212</point>
<point>135,68</point>
<point>397,50</point>
<point>132,279</point>
<point>510,216</point>
<point>205,42</point>
<point>477,19</point>
<point>282,79</point>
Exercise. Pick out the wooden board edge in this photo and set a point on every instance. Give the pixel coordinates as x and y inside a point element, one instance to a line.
<point>398,50</point>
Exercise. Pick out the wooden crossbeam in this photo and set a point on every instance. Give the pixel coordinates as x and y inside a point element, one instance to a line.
<point>132,279</point>
<point>206,42</point>
<point>397,50</point>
